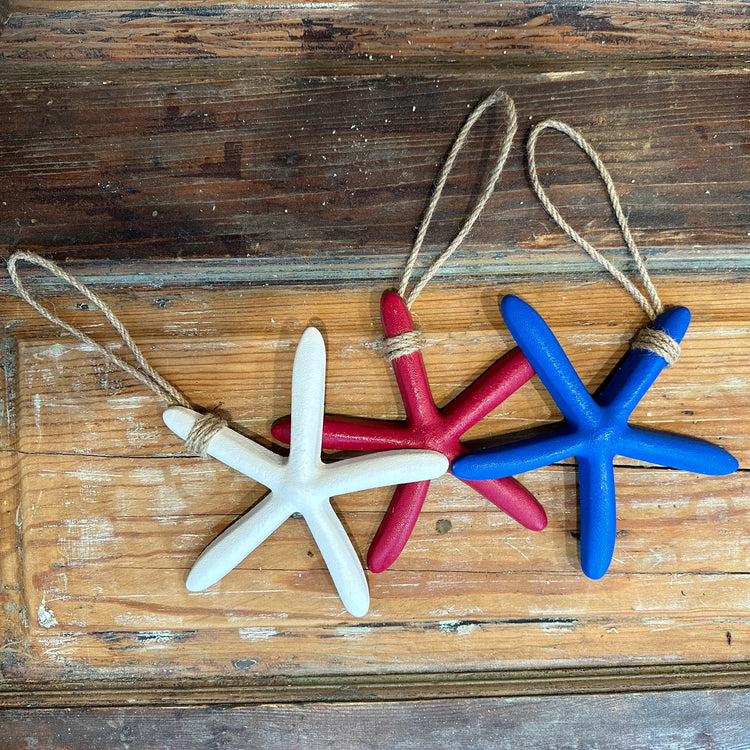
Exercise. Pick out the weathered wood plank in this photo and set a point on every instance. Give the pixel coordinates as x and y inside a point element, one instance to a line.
<point>433,627</point>
<point>111,513</point>
<point>689,719</point>
<point>281,179</point>
<point>12,621</point>
<point>116,31</point>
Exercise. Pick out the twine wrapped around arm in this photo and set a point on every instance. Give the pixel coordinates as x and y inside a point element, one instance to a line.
<point>204,429</point>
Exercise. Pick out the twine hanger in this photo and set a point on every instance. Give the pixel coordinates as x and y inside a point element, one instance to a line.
<point>649,339</point>
<point>203,430</point>
<point>405,343</point>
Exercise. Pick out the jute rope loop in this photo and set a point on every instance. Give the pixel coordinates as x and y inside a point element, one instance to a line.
<point>203,430</point>
<point>650,339</point>
<point>406,343</point>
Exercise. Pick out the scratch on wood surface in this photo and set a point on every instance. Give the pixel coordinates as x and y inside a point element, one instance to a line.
<point>353,633</point>
<point>257,633</point>
<point>86,538</point>
<point>458,627</point>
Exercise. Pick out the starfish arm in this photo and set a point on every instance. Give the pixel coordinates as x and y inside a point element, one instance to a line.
<point>505,377</point>
<point>236,542</point>
<point>308,397</point>
<point>409,369</point>
<point>355,434</point>
<point>548,359</point>
<point>340,558</point>
<point>513,498</point>
<point>515,458</point>
<point>382,469</point>
<point>397,525</point>
<point>598,516</point>
<point>640,368</point>
<point>231,448</point>
<point>677,452</point>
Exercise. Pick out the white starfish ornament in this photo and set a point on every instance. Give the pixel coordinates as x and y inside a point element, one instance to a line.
<point>301,483</point>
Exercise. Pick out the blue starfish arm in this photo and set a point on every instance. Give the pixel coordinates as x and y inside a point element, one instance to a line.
<point>515,458</point>
<point>598,517</point>
<point>676,451</point>
<point>237,541</point>
<point>340,557</point>
<point>382,469</point>
<point>640,368</point>
<point>548,359</point>
<point>308,396</point>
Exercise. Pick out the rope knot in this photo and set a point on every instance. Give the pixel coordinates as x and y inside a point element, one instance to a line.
<point>202,431</point>
<point>658,342</point>
<point>405,343</point>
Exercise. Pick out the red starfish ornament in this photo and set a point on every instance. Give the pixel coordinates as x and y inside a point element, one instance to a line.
<point>427,427</point>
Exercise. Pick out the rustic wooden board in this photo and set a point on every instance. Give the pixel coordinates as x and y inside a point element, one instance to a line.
<point>282,178</point>
<point>229,174</point>
<point>108,513</point>
<point>695,719</point>
<point>111,30</point>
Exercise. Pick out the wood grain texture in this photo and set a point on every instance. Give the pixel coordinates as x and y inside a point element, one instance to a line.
<point>62,31</point>
<point>326,178</point>
<point>695,719</point>
<point>281,180</point>
<point>228,174</point>
<point>110,513</point>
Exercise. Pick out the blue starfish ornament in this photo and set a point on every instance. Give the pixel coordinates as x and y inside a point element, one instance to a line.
<point>595,429</point>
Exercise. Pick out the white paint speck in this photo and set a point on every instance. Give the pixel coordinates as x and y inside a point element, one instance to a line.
<point>256,634</point>
<point>451,626</point>
<point>46,616</point>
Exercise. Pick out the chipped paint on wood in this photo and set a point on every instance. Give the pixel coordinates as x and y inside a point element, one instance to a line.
<point>45,616</point>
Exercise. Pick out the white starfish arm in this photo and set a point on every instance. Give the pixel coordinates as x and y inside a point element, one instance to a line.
<point>231,448</point>
<point>236,542</point>
<point>308,397</point>
<point>340,557</point>
<point>382,469</point>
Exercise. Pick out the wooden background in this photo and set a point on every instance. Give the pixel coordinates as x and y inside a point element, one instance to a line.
<point>227,175</point>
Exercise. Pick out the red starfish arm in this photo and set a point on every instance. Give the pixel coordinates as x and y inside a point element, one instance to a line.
<point>397,525</point>
<point>489,390</point>
<point>353,434</point>
<point>409,369</point>
<point>512,497</point>
<point>356,434</point>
